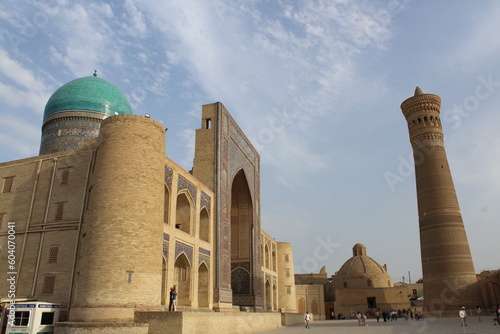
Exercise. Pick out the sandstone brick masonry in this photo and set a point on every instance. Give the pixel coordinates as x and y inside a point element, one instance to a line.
<point>106,224</point>
<point>448,272</point>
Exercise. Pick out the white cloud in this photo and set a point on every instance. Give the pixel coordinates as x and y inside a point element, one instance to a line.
<point>18,136</point>
<point>133,20</point>
<point>32,92</point>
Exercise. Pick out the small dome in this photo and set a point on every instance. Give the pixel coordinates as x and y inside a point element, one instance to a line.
<point>91,95</point>
<point>360,269</point>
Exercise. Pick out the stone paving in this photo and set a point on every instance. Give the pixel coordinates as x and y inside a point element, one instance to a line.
<point>401,326</point>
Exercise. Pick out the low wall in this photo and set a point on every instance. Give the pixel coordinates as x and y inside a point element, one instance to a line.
<point>100,328</point>
<point>208,322</point>
<point>290,319</point>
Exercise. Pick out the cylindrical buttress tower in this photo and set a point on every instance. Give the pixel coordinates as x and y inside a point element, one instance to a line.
<point>286,283</point>
<point>120,258</point>
<point>448,272</point>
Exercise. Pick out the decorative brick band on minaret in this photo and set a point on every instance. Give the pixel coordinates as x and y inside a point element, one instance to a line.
<point>448,272</point>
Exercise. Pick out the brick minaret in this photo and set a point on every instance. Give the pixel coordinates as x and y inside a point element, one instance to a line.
<point>448,272</point>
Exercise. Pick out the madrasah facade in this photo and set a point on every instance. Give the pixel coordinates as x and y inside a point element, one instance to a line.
<point>106,223</point>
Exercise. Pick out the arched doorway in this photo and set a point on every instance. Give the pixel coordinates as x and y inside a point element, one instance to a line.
<point>241,239</point>
<point>164,289</point>
<point>301,305</point>
<point>315,308</point>
<point>203,282</point>
<point>275,297</point>
<point>269,304</point>
<point>183,280</point>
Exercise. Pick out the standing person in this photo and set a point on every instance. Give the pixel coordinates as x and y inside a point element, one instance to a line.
<point>463,316</point>
<point>308,318</point>
<point>360,316</point>
<point>377,315</point>
<point>478,311</point>
<point>173,300</point>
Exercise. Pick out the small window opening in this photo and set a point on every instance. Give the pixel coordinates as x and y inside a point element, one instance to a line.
<point>59,212</point>
<point>65,176</point>
<point>7,184</point>
<point>208,123</point>
<point>345,284</point>
<point>54,251</point>
<point>129,276</point>
<point>48,284</point>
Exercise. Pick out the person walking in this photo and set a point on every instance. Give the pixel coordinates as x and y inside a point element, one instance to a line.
<point>308,319</point>
<point>377,315</point>
<point>172,307</point>
<point>478,311</point>
<point>463,316</point>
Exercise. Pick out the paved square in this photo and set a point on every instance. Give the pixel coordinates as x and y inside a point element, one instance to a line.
<point>426,326</point>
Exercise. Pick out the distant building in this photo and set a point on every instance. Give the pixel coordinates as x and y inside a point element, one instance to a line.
<point>489,286</point>
<point>313,294</point>
<point>361,284</point>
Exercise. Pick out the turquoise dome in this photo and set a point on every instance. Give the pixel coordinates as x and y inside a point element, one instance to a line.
<point>91,95</point>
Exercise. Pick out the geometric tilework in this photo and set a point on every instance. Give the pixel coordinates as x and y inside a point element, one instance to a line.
<point>168,177</point>
<point>203,258</point>
<point>204,251</point>
<point>205,201</point>
<point>182,248</point>
<point>165,250</point>
<point>183,183</point>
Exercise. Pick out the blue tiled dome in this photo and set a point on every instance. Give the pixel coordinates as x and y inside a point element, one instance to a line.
<point>91,95</point>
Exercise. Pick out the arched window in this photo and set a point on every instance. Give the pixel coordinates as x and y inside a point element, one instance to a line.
<point>166,202</point>
<point>204,227</point>
<point>266,254</point>
<point>273,259</point>
<point>183,213</point>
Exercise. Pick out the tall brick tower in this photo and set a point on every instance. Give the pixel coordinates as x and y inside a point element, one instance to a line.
<point>448,272</point>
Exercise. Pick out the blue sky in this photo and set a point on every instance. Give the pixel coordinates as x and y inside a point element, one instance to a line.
<point>316,86</point>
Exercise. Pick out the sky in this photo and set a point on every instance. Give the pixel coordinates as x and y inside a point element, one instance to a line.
<point>316,86</point>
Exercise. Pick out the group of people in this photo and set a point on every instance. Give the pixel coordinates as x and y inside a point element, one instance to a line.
<point>393,315</point>
<point>408,314</point>
<point>463,315</point>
